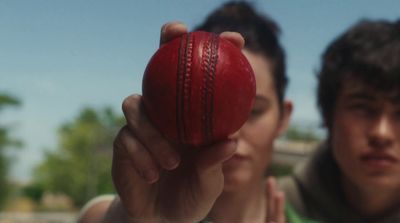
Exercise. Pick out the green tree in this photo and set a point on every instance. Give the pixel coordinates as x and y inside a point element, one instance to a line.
<point>6,141</point>
<point>80,166</point>
<point>305,134</point>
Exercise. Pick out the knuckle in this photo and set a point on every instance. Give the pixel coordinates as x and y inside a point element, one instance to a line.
<point>118,144</point>
<point>130,103</point>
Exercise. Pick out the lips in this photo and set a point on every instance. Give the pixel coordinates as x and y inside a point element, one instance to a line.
<point>235,159</point>
<point>379,159</point>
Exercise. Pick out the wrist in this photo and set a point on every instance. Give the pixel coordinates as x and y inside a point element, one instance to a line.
<point>118,214</point>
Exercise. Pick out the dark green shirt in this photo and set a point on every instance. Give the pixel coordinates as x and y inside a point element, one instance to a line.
<point>314,191</point>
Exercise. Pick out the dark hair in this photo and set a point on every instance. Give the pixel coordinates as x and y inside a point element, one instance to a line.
<point>368,52</point>
<point>259,31</point>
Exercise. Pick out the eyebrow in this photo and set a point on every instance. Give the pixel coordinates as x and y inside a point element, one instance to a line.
<point>369,97</point>
<point>261,97</point>
<point>360,96</point>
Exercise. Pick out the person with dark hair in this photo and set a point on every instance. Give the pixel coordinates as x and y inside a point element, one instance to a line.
<point>261,36</point>
<point>227,180</point>
<point>355,176</point>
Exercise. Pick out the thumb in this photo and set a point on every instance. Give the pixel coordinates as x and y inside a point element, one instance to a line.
<point>208,163</point>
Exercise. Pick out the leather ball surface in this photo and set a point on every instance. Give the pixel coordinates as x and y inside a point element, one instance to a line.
<point>198,89</point>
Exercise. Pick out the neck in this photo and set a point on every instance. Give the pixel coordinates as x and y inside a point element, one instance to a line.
<point>246,205</point>
<point>371,203</point>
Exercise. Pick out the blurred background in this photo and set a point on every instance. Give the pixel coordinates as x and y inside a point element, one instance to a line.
<point>66,66</point>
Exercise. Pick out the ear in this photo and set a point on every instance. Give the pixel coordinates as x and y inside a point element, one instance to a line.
<point>286,114</point>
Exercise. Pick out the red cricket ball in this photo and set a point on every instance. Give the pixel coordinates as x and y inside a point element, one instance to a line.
<point>198,89</point>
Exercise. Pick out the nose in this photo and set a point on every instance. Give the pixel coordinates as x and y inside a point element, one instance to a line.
<point>235,135</point>
<point>382,133</point>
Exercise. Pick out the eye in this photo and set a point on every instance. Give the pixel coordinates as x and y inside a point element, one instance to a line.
<point>362,108</point>
<point>255,112</point>
<point>260,107</point>
<point>358,106</point>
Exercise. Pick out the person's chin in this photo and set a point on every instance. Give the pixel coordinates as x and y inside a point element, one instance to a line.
<point>230,186</point>
<point>234,180</point>
<point>381,181</point>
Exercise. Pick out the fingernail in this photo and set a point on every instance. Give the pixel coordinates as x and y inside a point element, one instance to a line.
<point>171,163</point>
<point>150,175</point>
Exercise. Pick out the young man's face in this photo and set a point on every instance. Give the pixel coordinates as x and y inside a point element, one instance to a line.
<point>365,136</point>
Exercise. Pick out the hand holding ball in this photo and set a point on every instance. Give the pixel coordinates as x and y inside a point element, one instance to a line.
<point>198,89</point>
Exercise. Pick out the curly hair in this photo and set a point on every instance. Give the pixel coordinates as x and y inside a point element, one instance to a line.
<point>368,52</point>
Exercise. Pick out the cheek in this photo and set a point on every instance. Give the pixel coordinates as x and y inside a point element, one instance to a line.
<point>340,134</point>
<point>347,141</point>
<point>347,132</point>
<point>261,133</point>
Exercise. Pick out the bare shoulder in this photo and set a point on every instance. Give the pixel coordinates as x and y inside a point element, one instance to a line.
<point>95,210</point>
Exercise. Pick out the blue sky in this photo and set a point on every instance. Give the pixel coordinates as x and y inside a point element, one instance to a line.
<point>58,56</point>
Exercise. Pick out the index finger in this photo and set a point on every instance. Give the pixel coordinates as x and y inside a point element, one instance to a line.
<point>161,150</point>
<point>275,202</point>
